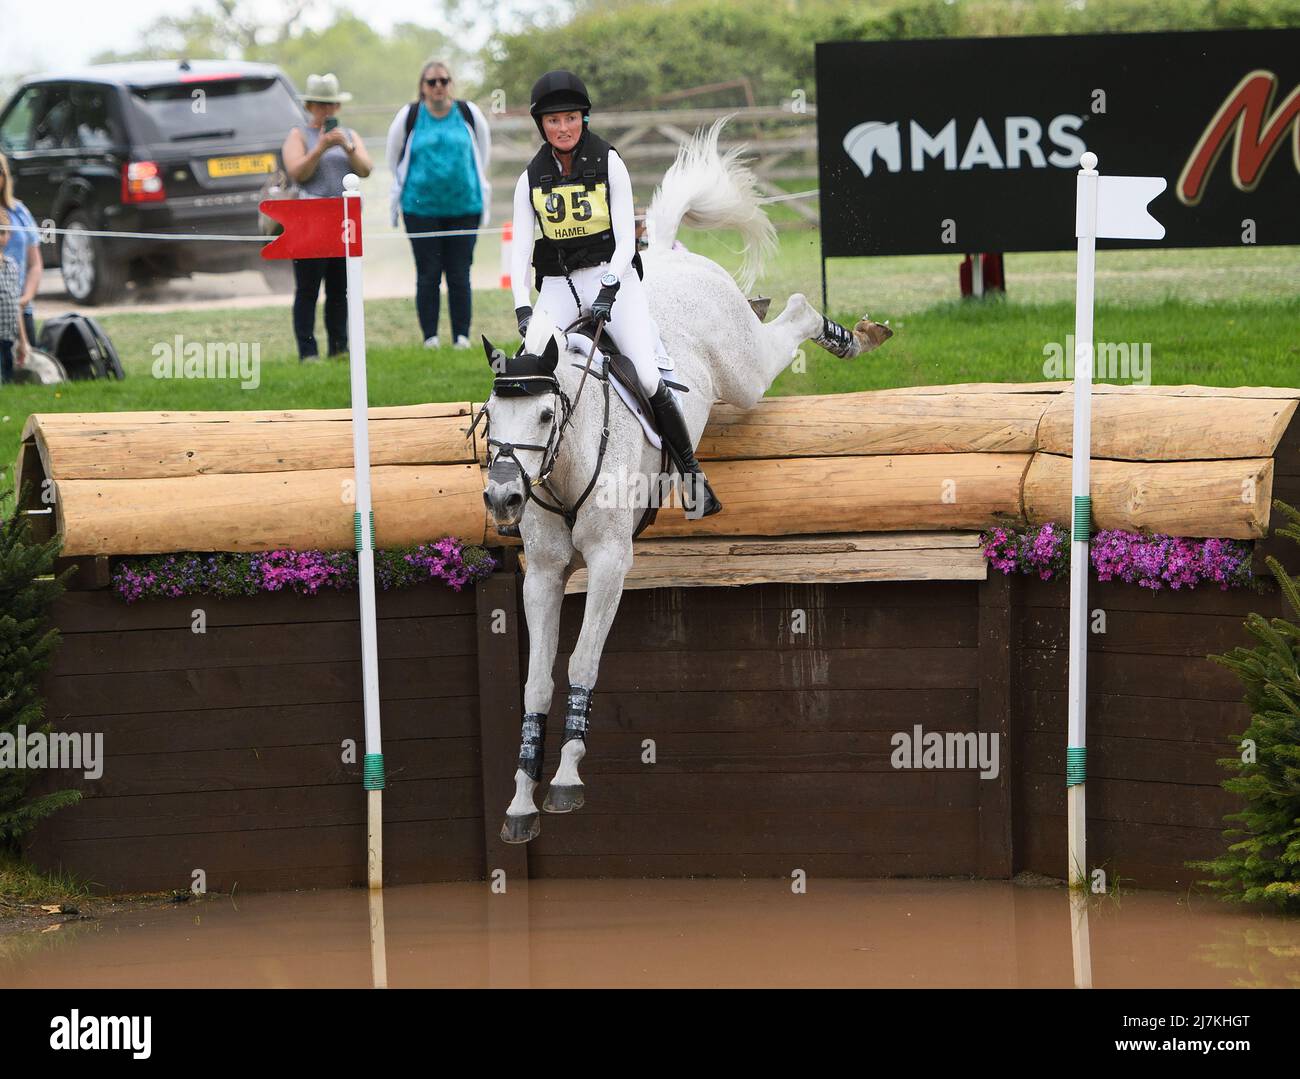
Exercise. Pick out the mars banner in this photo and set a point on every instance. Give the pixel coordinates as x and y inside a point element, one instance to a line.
<point>928,147</point>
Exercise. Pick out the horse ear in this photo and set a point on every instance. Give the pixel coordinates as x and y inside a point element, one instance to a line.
<point>495,357</point>
<point>550,354</point>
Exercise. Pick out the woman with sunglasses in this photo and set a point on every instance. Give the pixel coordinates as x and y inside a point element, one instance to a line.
<point>438,150</point>
<point>578,192</point>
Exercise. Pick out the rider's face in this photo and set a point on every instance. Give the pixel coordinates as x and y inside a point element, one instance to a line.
<point>563,129</point>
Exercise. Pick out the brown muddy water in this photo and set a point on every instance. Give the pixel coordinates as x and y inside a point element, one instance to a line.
<point>659,933</point>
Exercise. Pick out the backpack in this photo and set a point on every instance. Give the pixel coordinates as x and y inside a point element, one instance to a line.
<point>80,344</point>
<point>412,115</point>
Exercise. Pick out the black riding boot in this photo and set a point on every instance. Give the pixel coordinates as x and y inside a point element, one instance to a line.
<point>672,425</point>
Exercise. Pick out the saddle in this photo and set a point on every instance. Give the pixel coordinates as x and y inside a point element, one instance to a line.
<point>622,373</point>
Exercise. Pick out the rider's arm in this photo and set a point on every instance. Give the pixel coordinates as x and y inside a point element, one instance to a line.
<point>622,213</point>
<point>521,255</point>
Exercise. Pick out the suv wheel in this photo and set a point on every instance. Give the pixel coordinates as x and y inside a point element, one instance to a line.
<point>90,274</point>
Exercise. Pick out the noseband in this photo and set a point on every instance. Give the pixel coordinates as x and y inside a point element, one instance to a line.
<point>560,420</point>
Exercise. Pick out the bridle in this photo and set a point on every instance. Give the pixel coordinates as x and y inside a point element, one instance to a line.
<point>560,421</point>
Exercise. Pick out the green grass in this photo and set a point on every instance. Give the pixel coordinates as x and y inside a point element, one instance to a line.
<point>1219,317</point>
<point>1218,344</point>
<point>20,883</point>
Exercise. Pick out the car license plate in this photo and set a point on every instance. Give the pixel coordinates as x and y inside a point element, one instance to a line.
<point>244,165</point>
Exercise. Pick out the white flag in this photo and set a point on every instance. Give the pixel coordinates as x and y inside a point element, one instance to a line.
<point>1122,208</point>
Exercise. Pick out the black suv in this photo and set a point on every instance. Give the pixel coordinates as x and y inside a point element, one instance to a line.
<point>175,147</point>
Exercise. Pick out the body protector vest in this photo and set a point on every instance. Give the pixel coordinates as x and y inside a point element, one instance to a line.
<point>572,211</point>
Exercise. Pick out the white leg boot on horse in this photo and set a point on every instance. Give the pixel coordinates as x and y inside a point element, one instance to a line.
<point>553,436</point>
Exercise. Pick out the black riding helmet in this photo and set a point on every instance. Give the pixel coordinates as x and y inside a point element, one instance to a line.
<point>559,91</point>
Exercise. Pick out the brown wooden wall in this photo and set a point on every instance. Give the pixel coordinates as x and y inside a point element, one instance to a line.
<point>223,750</point>
<point>772,748</point>
<point>1159,716</point>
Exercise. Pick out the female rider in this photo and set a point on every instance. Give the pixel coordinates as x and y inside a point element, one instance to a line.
<point>577,190</point>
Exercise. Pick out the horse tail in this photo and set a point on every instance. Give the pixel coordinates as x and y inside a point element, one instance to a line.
<point>703,189</point>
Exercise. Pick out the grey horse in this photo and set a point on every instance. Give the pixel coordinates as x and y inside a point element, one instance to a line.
<point>548,445</point>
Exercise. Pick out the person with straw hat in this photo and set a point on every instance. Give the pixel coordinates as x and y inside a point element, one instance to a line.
<point>316,157</point>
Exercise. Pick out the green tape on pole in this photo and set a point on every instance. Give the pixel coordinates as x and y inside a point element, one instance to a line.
<point>1076,765</point>
<point>373,776</point>
<point>356,529</point>
<point>1082,517</point>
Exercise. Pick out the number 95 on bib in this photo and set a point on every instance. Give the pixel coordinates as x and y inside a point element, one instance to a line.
<point>572,211</point>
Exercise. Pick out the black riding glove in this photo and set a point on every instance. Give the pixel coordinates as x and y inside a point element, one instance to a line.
<point>523,315</point>
<point>604,302</point>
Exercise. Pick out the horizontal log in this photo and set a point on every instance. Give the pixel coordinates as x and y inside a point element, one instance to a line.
<point>866,493</point>
<point>1151,427</point>
<point>836,424</point>
<point>941,457</point>
<point>267,510</point>
<point>825,543</point>
<point>722,570</point>
<point>1272,392</point>
<point>977,387</point>
<point>900,493</point>
<point>1227,499</point>
<point>159,450</point>
<point>829,559</point>
<point>135,419</point>
<point>1065,386</point>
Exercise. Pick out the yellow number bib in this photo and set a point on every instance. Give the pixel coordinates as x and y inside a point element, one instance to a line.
<point>571,212</point>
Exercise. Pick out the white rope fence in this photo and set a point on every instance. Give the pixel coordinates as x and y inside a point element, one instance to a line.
<point>811,193</point>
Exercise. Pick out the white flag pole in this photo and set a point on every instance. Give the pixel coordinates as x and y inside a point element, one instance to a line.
<point>1081,518</point>
<point>363,524</point>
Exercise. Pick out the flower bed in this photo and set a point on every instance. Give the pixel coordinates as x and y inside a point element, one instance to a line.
<point>1150,561</point>
<point>307,572</point>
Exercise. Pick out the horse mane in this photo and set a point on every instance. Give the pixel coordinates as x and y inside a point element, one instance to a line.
<point>705,190</point>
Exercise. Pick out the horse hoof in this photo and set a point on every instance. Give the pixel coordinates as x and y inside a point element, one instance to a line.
<point>871,335</point>
<point>521,829</point>
<point>563,799</point>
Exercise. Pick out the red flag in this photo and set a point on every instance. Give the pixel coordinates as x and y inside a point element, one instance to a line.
<point>314,228</point>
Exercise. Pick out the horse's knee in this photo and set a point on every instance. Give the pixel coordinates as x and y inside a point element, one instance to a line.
<point>608,561</point>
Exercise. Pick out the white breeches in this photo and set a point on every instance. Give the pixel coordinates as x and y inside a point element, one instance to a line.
<point>630,321</point>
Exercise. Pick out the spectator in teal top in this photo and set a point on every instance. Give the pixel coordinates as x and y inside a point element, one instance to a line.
<point>438,150</point>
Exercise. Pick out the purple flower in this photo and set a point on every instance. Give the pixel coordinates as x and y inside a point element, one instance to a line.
<point>1150,561</point>
<point>305,572</point>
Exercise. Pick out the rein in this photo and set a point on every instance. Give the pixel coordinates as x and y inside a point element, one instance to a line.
<point>551,451</point>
